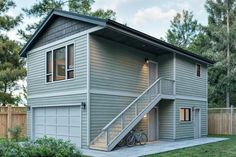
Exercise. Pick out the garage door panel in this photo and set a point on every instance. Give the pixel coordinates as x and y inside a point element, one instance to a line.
<point>74,111</point>
<point>74,131</point>
<point>63,121</point>
<point>65,138</point>
<point>75,121</point>
<point>58,122</point>
<point>62,131</point>
<point>51,111</point>
<point>39,112</point>
<point>62,111</point>
<point>39,135</point>
<point>39,129</point>
<point>51,120</point>
<point>39,120</point>
<point>75,140</point>
<point>51,130</point>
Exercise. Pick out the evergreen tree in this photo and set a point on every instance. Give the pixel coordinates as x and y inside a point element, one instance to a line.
<point>11,66</point>
<point>43,7</point>
<point>222,34</point>
<point>183,30</point>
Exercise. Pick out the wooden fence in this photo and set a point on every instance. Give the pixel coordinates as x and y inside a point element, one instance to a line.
<point>222,121</point>
<point>11,117</point>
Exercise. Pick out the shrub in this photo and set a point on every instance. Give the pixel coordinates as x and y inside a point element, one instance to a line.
<point>15,133</point>
<point>42,147</point>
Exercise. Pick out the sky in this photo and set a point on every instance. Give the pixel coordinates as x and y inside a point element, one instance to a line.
<point>149,16</point>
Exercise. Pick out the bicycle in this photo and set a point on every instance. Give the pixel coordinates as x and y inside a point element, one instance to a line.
<point>136,137</point>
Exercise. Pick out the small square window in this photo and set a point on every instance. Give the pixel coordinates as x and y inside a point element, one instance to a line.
<point>185,114</point>
<point>198,70</point>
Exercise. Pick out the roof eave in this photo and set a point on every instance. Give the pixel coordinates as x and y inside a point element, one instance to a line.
<point>112,24</point>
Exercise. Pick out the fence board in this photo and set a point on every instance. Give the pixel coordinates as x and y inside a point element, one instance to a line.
<point>222,121</point>
<point>11,117</point>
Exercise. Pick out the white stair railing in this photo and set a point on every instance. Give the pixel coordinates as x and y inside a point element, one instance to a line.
<point>131,112</point>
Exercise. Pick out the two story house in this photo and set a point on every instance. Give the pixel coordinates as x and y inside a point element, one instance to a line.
<point>92,80</point>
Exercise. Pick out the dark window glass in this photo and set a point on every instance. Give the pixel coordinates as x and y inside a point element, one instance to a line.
<point>198,72</point>
<point>59,64</point>
<point>49,67</point>
<point>185,114</point>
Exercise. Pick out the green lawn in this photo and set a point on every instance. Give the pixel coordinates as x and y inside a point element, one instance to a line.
<point>220,149</point>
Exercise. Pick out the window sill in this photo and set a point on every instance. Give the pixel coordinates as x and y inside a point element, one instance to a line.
<point>60,81</point>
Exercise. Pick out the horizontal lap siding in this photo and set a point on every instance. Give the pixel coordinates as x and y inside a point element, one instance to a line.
<point>187,83</point>
<point>186,129</point>
<point>117,67</point>
<point>103,108</point>
<point>36,70</point>
<point>166,119</point>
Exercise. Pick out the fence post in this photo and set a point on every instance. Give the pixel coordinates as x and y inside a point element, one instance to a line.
<point>9,120</point>
<point>231,119</point>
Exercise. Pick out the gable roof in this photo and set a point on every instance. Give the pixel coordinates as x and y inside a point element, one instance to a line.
<point>107,23</point>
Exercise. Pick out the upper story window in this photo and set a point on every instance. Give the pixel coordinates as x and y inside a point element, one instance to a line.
<point>185,114</point>
<point>198,70</point>
<point>60,64</point>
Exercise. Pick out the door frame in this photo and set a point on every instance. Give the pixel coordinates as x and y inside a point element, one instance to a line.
<point>199,122</point>
<point>156,113</point>
<point>157,66</point>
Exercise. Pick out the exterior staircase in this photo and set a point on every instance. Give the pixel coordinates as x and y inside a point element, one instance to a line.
<point>121,125</point>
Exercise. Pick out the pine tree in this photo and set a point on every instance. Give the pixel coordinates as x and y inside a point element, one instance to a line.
<point>222,34</point>
<point>183,29</point>
<point>42,8</point>
<point>11,66</point>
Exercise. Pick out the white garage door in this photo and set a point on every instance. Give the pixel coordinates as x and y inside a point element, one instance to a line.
<point>59,122</point>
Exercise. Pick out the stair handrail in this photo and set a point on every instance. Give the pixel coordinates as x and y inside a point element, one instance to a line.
<point>122,112</point>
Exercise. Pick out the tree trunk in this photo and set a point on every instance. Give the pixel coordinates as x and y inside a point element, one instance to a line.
<point>228,57</point>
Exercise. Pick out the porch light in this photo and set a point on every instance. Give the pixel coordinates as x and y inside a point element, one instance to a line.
<point>83,104</point>
<point>146,60</point>
<point>145,115</point>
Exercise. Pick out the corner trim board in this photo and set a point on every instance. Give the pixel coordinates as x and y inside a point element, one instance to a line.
<point>88,91</point>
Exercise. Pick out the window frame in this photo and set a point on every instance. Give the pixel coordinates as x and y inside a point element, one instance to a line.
<point>190,111</point>
<point>196,70</point>
<point>66,55</point>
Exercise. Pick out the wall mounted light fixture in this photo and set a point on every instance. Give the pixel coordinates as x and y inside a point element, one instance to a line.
<point>146,60</point>
<point>83,104</point>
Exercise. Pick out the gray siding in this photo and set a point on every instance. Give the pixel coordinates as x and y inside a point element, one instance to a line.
<point>117,67</point>
<point>187,83</point>
<point>186,129</point>
<point>103,108</point>
<point>37,69</point>
<point>60,28</point>
<point>166,119</point>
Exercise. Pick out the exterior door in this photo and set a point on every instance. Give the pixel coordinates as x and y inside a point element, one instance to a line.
<point>152,72</point>
<point>152,116</point>
<point>197,123</point>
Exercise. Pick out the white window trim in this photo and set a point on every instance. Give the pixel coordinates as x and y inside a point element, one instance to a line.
<point>200,70</point>
<point>55,48</point>
<point>191,115</point>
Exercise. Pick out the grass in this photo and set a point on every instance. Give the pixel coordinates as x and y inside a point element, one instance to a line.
<point>220,149</point>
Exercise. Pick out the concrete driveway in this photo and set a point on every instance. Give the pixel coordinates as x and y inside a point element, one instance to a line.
<point>151,148</point>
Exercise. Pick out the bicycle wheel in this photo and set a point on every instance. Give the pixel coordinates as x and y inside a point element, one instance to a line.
<point>143,139</point>
<point>122,143</point>
<point>130,141</point>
